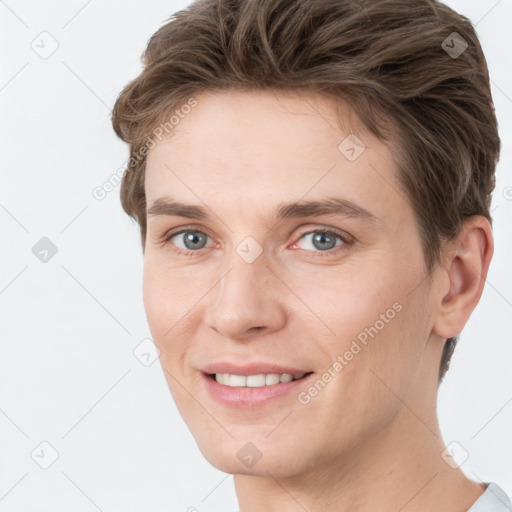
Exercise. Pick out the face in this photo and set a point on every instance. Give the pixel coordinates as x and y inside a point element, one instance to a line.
<point>245,279</point>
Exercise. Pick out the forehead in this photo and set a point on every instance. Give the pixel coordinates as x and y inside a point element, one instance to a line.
<point>289,122</point>
<point>253,150</point>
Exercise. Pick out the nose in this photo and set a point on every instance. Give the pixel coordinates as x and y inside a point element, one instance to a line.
<point>249,298</point>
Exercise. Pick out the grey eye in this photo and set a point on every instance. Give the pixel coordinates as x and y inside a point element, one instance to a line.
<point>192,240</point>
<point>321,241</point>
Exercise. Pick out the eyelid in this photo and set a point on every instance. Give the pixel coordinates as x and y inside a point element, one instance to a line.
<point>182,229</point>
<point>346,237</point>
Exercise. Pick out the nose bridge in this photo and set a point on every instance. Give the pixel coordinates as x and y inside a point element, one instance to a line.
<point>245,298</point>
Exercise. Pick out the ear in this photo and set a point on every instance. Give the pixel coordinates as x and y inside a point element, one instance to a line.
<point>466,262</point>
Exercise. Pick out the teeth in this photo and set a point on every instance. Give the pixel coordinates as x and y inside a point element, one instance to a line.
<point>255,381</point>
<point>271,378</point>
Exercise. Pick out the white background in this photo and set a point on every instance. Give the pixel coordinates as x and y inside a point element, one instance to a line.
<point>69,326</point>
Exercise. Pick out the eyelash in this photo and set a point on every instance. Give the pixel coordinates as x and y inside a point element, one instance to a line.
<point>347,241</point>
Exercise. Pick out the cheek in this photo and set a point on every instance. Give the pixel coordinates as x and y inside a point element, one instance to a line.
<point>392,344</point>
<point>350,301</point>
<point>166,303</point>
<point>156,301</point>
<point>168,293</point>
<point>375,320</point>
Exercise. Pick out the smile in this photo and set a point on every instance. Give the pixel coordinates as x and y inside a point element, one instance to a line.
<point>251,391</point>
<point>255,381</point>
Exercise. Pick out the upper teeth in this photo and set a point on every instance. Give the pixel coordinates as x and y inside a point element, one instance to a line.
<point>255,381</point>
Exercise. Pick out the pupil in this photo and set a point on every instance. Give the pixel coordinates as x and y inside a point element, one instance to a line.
<point>192,238</point>
<point>319,240</point>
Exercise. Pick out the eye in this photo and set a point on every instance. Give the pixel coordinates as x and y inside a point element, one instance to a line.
<point>188,240</point>
<point>324,240</point>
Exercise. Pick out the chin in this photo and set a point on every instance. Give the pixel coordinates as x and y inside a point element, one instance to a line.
<point>258,458</point>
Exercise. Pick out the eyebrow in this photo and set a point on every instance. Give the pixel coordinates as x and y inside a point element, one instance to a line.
<point>327,206</point>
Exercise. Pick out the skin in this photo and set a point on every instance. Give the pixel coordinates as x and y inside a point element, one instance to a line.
<point>370,440</point>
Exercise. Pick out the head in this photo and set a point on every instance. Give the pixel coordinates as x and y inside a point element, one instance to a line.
<point>249,110</point>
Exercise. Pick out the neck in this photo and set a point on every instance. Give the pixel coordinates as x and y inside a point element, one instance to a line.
<point>394,471</point>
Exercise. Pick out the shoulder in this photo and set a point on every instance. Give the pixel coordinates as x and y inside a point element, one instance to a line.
<point>494,499</point>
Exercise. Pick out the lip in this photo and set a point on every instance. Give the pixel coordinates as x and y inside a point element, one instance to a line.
<point>255,368</point>
<point>250,398</point>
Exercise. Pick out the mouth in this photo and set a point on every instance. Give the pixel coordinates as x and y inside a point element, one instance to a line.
<point>256,381</point>
<point>237,391</point>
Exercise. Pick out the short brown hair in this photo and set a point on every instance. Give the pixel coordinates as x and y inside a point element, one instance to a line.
<point>390,58</point>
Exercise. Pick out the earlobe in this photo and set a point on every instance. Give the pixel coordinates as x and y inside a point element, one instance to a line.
<point>467,261</point>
